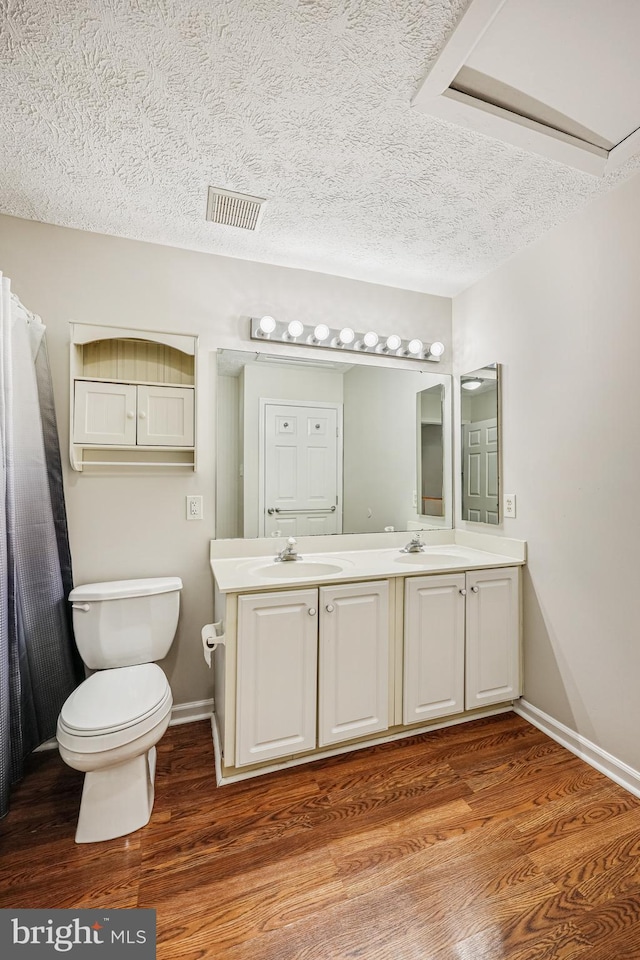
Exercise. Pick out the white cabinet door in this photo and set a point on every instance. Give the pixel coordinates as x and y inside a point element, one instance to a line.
<point>104,413</point>
<point>493,637</point>
<point>354,661</point>
<point>165,417</point>
<point>277,674</point>
<point>434,625</point>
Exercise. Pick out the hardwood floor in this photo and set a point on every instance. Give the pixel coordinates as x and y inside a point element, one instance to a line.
<point>483,841</point>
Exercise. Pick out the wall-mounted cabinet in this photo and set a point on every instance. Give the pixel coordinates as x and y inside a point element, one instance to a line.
<point>132,398</point>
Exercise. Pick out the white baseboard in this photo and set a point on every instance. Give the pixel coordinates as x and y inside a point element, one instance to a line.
<point>189,712</point>
<point>618,771</point>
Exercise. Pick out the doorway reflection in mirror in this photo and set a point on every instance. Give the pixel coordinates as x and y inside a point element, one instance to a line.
<point>479,394</point>
<point>317,446</point>
<point>430,452</point>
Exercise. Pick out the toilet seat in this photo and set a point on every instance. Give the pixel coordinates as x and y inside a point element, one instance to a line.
<point>114,707</point>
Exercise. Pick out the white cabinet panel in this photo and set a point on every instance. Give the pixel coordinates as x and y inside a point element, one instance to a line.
<point>354,661</point>
<point>434,634</point>
<point>132,391</point>
<point>493,637</point>
<point>277,671</point>
<point>104,413</point>
<point>165,416</point>
<point>119,413</point>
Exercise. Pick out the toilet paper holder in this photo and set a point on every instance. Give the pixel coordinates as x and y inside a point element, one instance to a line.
<point>212,637</point>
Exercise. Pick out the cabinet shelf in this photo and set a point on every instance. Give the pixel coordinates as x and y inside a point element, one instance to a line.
<point>134,391</point>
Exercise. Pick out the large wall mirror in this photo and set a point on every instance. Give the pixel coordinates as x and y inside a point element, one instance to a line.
<point>317,447</point>
<point>480,444</point>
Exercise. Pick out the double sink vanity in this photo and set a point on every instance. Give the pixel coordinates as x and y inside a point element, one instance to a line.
<point>358,637</point>
<point>356,641</point>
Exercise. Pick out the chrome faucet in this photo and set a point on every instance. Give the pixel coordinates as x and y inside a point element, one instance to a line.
<point>289,552</point>
<point>415,545</point>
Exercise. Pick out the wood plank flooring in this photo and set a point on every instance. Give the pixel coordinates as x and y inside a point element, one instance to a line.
<point>484,841</point>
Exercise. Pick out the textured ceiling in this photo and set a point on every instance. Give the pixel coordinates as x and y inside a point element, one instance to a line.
<point>116,115</point>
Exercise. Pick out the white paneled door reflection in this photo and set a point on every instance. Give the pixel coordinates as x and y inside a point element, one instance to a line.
<point>480,478</point>
<point>302,467</point>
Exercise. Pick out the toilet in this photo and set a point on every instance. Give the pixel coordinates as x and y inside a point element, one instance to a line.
<point>110,725</point>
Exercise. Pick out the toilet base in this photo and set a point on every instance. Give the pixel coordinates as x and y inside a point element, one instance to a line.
<point>117,800</point>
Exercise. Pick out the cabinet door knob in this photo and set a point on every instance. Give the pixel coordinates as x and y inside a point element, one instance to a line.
<point>130,415</point>
<point>311,611</point>
<point>463,592</point>
<point>329,608</point>
<point>142,415</point>
<point>474,589</point>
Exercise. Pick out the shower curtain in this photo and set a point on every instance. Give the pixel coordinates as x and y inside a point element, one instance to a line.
<point>39,664</point>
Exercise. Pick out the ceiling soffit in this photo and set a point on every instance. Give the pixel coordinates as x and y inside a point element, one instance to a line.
<point>559,79</point>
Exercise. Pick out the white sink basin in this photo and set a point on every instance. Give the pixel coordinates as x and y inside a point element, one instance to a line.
<point>429,557</point>
<point>295,569</point>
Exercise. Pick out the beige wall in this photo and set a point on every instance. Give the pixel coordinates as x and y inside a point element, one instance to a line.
<point>564,320</point>
<point>133,524</point>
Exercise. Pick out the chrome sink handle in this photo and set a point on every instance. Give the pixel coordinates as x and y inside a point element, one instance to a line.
<point>289,552</point>
<point>415,545</point>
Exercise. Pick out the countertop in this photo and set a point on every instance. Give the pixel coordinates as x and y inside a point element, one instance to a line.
<point>239,574</point>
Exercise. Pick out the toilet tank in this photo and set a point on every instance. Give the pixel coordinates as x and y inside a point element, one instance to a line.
<point>124,622</point>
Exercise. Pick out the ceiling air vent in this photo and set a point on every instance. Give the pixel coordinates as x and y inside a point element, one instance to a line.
<point>234,209</point>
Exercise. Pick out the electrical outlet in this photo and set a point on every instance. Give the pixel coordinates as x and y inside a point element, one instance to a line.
<point>415,498</point>
<point>194,508</point>
<point>509,504</point>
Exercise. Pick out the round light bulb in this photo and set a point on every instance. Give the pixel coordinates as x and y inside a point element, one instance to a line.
<point>346,336</point>
<point>436,349</point>
<point>267,325</point>
<point>321,332</point>
<point>370,339</point>
<point>471,384</point>
<point>295,329</point>
<point>393,342</point>
<point>415,347</point>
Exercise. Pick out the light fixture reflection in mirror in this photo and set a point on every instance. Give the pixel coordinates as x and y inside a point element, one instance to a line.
<point>327,446</point>
<point>480,444</point>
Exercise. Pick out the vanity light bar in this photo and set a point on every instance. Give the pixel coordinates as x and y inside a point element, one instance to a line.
<point>320,335</point>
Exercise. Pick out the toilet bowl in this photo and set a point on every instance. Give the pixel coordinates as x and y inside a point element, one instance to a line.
<point>110,725</point>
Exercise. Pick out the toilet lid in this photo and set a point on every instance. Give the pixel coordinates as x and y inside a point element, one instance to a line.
<point>114,699</point>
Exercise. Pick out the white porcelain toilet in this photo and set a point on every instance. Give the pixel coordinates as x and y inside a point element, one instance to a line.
<point>110,724</point>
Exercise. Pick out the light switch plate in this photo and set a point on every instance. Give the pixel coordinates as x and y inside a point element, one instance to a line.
<point>509,502</point>
<point>194,508</point>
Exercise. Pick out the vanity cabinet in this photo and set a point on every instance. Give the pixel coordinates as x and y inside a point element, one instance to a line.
<point>277,675</point>
<point>296,649</point>
<point>354,661</point>
<point>462,643</point>
<point>132,397</point>
<point>492,620</point>
<point>320,668</point>
<point>434,642</point>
